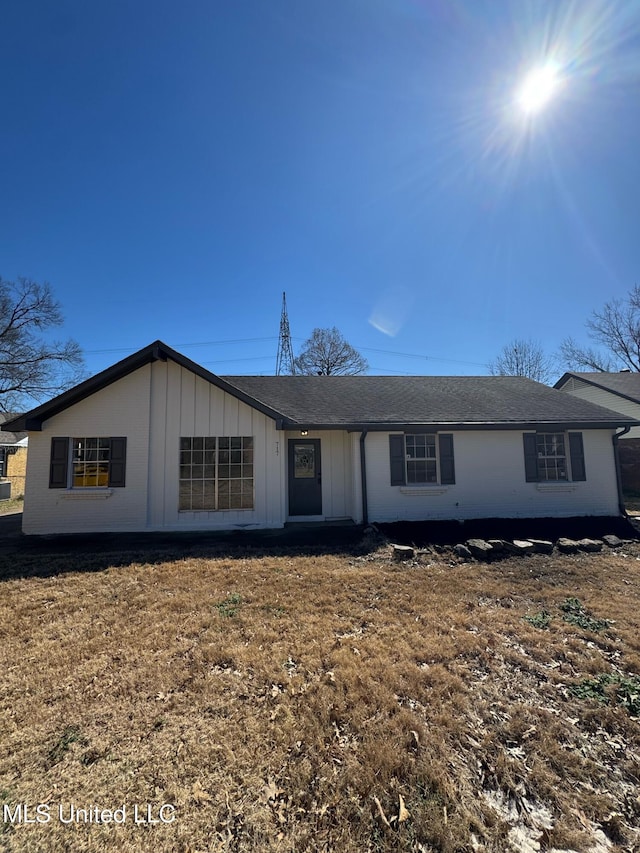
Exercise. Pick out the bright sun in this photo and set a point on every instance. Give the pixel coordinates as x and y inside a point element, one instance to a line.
<point>538,89</point>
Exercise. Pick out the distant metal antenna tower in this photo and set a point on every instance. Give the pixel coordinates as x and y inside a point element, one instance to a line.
<point>285,362</point>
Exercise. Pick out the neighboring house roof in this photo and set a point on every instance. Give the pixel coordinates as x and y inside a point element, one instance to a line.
<point>13,439</point>
<point>623,384</point>
<point>366,402</point>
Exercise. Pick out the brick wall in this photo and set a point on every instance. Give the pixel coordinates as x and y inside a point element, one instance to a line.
<point>17,470</point>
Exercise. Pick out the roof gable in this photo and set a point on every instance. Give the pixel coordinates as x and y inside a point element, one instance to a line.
<point>623,384</point>
<point>156,351</point>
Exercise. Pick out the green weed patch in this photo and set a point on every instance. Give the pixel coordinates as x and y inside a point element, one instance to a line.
<point>611,688</point>
<point>575,613</point>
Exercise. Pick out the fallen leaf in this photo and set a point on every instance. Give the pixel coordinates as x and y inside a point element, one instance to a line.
<point>199,794</point>
<point>381,812</point>
<point>403,813</point>
<point>271,790</point>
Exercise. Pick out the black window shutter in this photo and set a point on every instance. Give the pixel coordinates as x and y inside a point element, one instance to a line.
<point>576,449</point>
<point>396,460</point>
<point>59,465</point>
<point>447,469</point>
<point>530,457</point>
<point>118,458</point>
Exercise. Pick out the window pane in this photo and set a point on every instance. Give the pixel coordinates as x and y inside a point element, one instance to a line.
<point>209,494</point>
<point>185,496</point>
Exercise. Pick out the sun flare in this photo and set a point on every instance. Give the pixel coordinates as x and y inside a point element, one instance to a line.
<point>538,89</point>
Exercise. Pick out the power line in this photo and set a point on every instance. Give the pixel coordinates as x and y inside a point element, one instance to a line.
<point>417,356</point>
<point>184,346</point>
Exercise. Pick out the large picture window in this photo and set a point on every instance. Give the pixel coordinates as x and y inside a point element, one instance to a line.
<point>216,473</point>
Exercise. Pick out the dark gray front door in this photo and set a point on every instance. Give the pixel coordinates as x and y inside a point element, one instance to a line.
<point>305,479</point>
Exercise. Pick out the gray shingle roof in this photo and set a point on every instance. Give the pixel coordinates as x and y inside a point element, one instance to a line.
<point>10,438</point>
<point>378,400</point>
<point>624,384</point>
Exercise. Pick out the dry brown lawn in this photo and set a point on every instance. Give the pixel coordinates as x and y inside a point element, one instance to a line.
<point>319,702</point>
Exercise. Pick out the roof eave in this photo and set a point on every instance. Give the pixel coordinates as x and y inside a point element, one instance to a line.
<point>440,426</point>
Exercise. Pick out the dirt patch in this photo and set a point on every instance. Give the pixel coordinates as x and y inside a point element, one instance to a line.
<point>450,532</point>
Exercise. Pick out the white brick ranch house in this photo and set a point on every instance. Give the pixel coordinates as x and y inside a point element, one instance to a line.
<point>156,442</point>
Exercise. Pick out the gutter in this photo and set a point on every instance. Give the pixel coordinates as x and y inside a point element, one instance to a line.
<point>363,477</point>
<point>616,459</point>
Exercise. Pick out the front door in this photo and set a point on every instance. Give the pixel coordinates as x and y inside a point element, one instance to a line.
<point>305,479</point>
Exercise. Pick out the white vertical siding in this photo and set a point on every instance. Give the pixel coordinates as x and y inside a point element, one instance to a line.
<point>337,471</point>
<point>577,388</point>
<point>490,482</point>
<point>187,405</point>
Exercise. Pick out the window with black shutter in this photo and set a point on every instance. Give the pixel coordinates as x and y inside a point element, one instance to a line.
<point>82,463</point>
<point>553,457</point>
<point>421,459</point>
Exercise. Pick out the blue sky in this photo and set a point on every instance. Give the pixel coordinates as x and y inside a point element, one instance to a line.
<point>172,167</point>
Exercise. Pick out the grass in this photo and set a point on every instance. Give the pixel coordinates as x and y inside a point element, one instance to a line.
<point>284,701</point>
<point>12,505</point>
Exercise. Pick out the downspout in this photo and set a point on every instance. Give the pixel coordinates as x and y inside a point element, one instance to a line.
<point>363,477</point>
<point>616,457</point>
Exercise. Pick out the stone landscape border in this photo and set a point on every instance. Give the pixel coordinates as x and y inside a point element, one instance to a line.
<point>491,549</point>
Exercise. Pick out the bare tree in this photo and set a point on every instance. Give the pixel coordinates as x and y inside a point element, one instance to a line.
<point>31,366</point>
<point>616,328</point>
<point>326,353</point>
<point>523,358</point>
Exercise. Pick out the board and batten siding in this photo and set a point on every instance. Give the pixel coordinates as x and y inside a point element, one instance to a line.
<point>183,404</point>
<point>577,388</point>
<point>490,482</point>
<point>337,472</point>
<point>121,409</point>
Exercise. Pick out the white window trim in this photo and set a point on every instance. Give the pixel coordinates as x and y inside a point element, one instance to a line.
<point>410,488</point>
<point>422,489</point>
<point>86,493</point>
<point>567,459</point>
